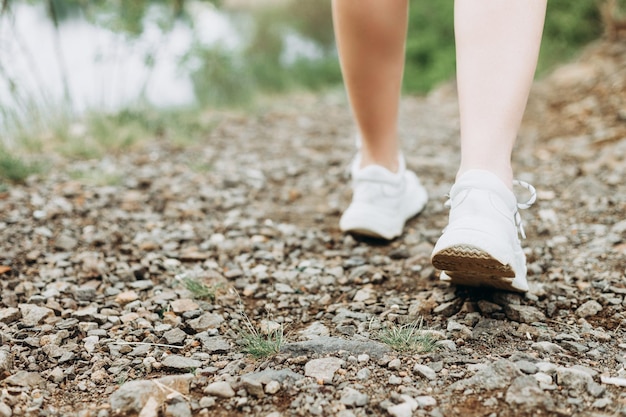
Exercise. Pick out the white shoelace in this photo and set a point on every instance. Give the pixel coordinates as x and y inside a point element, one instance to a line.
<point>523,206</point>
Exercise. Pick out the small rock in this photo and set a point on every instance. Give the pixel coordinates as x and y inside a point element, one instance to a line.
<point>590,308</point>
<point>425,401</point>
<point>425,371</point>
<point>32,314</point>
<point>573,378</point>
<point>175,336</point>
<point>272,387</point>
<point>183,305</point>
<point>26,379</point>
<point>523,314</point>
<point>448,309</point>
<point>253,387</point>
<point>5,410</point>
<point>150,408</point>
<point>132,396</point>
<point>9,315</point>
<point>488,307</point>
<point>205,322</point>
<point>526,366</point>
<point>314,330</point>
<point>494,376</point>
<point>602,403</point>
<point>213,344</point>
<point>126,297</point>
<point>547,347</point>
<point>179,408</point>
<point>363,374</point>
<point>323,369</point>
<point>524,393</point>
<point>65,243</point>
<point>180,363</point>
<point>329,345</point>
<point>220,389</point>
<point>6,363</point>
<point>353,398</point>
<point>394,364</point>
<point>404,409</point>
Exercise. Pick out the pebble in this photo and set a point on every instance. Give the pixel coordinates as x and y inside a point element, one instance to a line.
<point>404,409</point>
<point>323,369</point>
<point>524,393</point>
<point>9,315</point>
<point>220,389</point>
<point>179,408</point>
<point>33,314</point>
<point>353,398</point>
<point>394,364</point>
<point>588,309</point>
<point>573,378</point>
<point>425,372</point>
<point>523,314</point>
<point>5,410</point>
<point>183,305</point>
<point>272,387</point>
<point>6,363</point>
<point>175,336</point>
<point>180,363</point>
<point>132,396</point>
<point>547,347</point>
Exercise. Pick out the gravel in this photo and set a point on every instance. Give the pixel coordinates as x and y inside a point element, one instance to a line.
<point>97,317</point>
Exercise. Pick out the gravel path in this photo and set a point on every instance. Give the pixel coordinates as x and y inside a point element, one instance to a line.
<point>96,259</point>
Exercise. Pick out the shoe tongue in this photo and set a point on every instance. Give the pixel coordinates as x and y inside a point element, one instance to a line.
<point>377,173</point>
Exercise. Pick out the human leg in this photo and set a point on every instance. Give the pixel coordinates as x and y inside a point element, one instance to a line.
<point>497,49</point>
<point>370,37</point>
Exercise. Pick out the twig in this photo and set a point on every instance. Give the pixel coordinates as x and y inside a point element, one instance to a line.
<point>172,390</point>
<point>122,342</point>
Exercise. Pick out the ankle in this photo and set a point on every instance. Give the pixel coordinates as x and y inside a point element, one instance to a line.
<point>391,163</point>
<point>504,173</point>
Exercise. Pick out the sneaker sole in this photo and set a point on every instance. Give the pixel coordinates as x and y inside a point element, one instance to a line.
<point>471,266</point>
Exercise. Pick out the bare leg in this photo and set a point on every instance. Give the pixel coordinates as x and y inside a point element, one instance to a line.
<point>497,47</point>
<point>370,37</point>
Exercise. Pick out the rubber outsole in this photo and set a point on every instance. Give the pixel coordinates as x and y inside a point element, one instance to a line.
<point>470,266</point>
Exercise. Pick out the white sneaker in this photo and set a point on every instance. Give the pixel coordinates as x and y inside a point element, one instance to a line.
<point>382,201</point>
<point>480,246</point>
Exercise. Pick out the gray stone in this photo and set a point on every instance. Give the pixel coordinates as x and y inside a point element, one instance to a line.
<point>425,401</point>
<point>425,371</point>
<point>33,314</point>
<point>523,314</point>
<point>132,396</point>
<point>9,315</point>
<point>180,363</point>
<point>547,347</point>
<point>525,394</point>
<point>448,309</point>
<point>526,367</point>
<point>65,243</point>
<point>5,410</point>
<point>588,309</point>
<point>253,387</point>
<point>215,344</point>
<point>394,364</point>
<point>494,376</point>
<point>179,408</point>
<point>220,389</point>
<point>353,398</point>
<point>573,378</point>
<point>363,374</point>
<point>488,307</point>
<point>6,363</point>
<point>26,379</point>
<point>175,336</point>
<point>268,375</point>
<point>315,330</point>
<point>205,322</point>
<point>272,387</point>
<point>404,409</point>
<point>328,345</point>
<point>323,369</point>
<point>602,403</point>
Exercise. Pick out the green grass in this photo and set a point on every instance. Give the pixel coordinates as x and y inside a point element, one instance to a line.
<point>262,345</point>
<point>199,290</point>
<point>407,338</point>
<point>15,169</point>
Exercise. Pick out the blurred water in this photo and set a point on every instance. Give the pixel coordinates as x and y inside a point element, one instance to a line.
<point>104,70</point>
